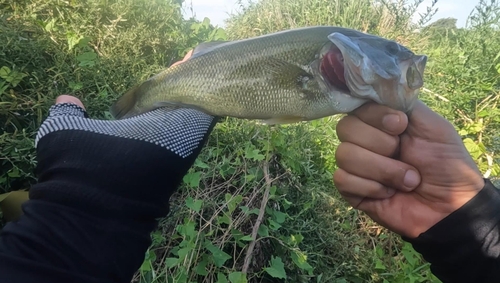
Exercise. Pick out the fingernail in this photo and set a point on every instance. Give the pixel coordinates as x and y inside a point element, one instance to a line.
<point>391,122</point>
<point>411,179</point>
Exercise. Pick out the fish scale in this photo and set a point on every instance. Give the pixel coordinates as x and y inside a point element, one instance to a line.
<point>275,78</point>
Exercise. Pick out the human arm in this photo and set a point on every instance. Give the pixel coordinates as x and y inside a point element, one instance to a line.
<point>445,182</point>
<point>101,187</point>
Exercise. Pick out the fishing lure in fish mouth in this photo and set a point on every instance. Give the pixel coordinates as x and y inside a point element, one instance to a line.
<point>285,77</point>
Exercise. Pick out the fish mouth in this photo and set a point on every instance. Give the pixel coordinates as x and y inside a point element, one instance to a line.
<point>332,68</point>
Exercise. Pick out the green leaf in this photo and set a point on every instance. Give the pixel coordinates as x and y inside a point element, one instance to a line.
<point>200,269</point>
<point>182,253</point>
<point>145,266</point>
<point>237,277</point>
<point>4,72</point>
<point>189,230</point>
<point>279,216</point>
<point>200,164</point>
<point>254,154</point>
<point>87,59</point>
<point>409,254</point>
<point>300,259</point>
<point>379,264</point>
<point>171,262</point>
<point>194,205</point>
<point>14,173</point>
<point>277,268</point>
<point>50,25</point>
<point>263,231</point>
<point>473,148</point>
<point>221,278</point>
<point>247,238</point>
<point>192,179</point>
<point>272,190</point>
<point>149,258</point>
<point>158,238</point>
<point>219,256</point>
<point>73,39</point>
<point>224,219</point>
<point>233,201</point>
<point>273,225</point>
<point>83,41</point>
<point>296,239</point>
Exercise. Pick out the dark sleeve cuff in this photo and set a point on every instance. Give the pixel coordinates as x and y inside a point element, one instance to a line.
<point>465,246</point>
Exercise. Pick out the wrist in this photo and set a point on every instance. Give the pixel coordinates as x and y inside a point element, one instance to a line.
<point>449,202</point>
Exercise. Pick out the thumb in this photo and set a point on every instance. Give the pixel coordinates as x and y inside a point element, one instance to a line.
<point>69,99</point>
<point>67,105</point>
<point>426,124</point>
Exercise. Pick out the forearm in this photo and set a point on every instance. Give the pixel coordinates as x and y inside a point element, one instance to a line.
<point>465,246</point>
<point>63,238</point>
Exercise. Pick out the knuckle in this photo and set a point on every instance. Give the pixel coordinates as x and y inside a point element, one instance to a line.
<point>342,153</point>
<point>340,179</point>
<point>392,175</point>
<point>392,145</point>
<point>339,128</point>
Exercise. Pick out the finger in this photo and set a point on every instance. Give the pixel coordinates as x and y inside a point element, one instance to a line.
<point>351,129</point>
<point>188,55</point>
<point>358,188</point>
<point>67,105</point>
<point>69,99</point>
<point>383,118</point>
<point>369,165</point>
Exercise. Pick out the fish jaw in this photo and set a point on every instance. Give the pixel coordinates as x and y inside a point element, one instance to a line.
<point>376,69</point>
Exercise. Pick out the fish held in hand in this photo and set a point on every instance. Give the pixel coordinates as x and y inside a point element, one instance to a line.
<point>285,77</point>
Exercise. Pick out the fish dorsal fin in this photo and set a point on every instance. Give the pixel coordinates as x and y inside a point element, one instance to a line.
<point>205,47</point>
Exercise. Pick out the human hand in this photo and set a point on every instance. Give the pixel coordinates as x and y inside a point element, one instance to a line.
<point>406,173</point>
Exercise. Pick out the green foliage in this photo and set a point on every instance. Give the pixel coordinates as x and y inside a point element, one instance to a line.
<point>259,204</point>
<point>392,19</point>
<point>94,50</point>
<point>463,83</point>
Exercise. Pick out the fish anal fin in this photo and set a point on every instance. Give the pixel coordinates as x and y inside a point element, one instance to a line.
<point>288,119</point>
<point>125,105</point>
<point>205,47</point>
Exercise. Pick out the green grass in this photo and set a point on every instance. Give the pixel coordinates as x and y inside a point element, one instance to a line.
<point>259,205</point>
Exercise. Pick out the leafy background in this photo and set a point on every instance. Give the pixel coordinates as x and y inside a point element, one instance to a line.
<point>259,204</point>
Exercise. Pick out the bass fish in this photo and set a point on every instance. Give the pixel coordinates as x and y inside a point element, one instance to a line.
<point>285,77</point>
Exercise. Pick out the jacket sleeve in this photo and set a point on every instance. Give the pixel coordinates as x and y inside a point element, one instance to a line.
<point>465,246</point>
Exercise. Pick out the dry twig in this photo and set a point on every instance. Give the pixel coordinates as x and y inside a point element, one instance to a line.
<point>255,229</point>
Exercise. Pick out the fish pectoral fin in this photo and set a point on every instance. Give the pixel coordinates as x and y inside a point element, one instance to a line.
<point>178,105</point>
<point>283,120</point>
<point>286,73</point>
<point>205,47</point>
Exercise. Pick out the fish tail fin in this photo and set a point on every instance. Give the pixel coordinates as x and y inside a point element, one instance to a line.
<point>124,107</point>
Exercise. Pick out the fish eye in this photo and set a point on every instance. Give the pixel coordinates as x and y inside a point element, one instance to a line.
<point>392,47</point>
<point>413,78</point>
